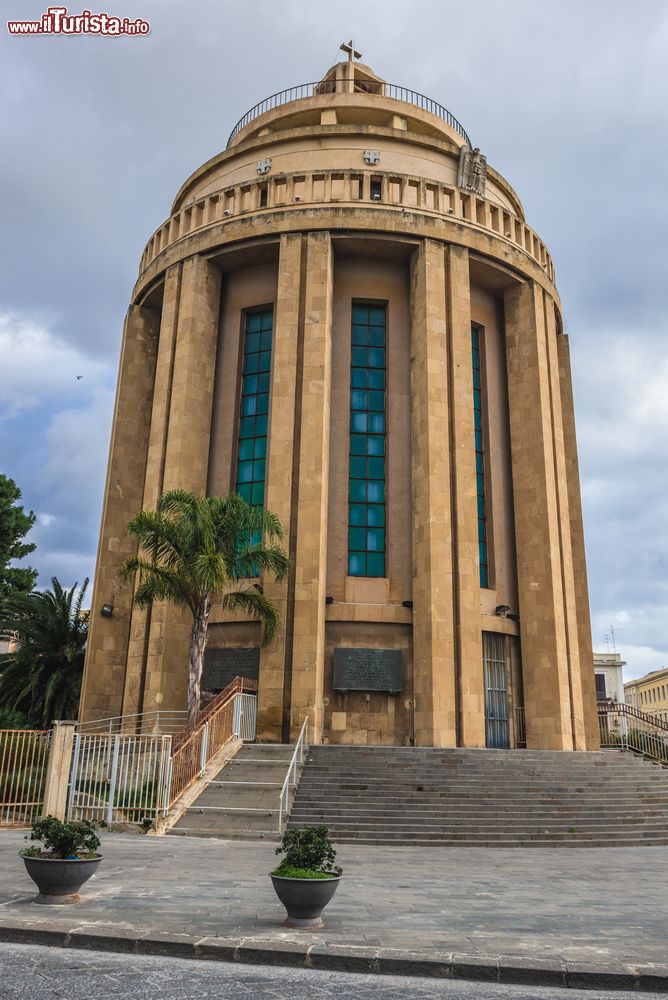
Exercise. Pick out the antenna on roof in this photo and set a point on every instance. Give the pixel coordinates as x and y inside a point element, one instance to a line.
<point>612,632</point>
<point>607,641</point>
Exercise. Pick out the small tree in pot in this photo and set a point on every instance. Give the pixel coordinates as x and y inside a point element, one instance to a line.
<point>66,860</point>
<point>307,877</point>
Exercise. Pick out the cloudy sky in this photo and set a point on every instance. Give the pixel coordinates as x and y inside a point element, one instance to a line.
<point>568,100</point>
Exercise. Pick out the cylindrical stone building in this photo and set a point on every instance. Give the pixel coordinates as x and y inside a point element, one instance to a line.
<point>346,318</point>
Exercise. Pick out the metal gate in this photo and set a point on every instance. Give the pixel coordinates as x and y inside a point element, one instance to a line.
<point>245,717</point>
<point>497,729</point>
<point>119,779</point>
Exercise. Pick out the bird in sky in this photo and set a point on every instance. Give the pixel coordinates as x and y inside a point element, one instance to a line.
<point>79,377</point>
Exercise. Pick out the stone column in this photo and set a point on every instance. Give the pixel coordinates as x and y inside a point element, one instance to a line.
<point>58,770</point>
<point>280,475</point>
<point>433,610</point>
<point>586,664</point>
<point>155,467</point>
<point>308,653</point>
<point>185,464</point>
<point>545,666</point>
<point>466,570</point>
<point>106,653</point>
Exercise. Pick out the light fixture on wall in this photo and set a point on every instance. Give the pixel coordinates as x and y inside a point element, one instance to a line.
<point>407,604</point>
<point>107,610</point>
<point>329,599</point>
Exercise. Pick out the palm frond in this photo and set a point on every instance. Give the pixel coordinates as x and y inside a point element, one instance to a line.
<point>255,605</point>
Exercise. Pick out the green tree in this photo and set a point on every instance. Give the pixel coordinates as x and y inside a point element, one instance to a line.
<point>41,676</point>
<point>14,526</point>
<point>194,550</point>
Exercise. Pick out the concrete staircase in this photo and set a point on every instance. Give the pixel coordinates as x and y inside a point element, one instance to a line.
<point>483,798</point>
<point>241,801</point>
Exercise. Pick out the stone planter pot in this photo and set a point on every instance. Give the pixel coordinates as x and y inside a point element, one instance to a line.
<point>59,880</point>
<point>305,898</point>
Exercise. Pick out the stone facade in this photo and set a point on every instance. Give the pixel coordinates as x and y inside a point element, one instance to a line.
<point>343,194</point>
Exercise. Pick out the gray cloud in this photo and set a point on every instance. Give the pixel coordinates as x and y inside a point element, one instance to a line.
<point>566,98</point>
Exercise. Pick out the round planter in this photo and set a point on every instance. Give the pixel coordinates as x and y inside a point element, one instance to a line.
<point>59,880</point>
<point>305,898</point>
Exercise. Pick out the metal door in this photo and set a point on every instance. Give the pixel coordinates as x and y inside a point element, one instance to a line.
<point>497,729</point>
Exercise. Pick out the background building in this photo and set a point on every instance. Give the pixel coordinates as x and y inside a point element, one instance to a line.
<point>608,677</point>
<point>346,317</point>
<point>649,693</point>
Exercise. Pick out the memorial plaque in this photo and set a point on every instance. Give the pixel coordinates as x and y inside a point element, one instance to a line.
<point>368,670</point>
<point>222,665</point>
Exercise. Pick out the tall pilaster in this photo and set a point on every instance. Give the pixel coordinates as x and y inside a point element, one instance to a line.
<point>563,505</point>
<point>586,663</point>
<point>185,463</point>
<point>308,651</point>
<point>543,626</point>
<point>102,692</point>
<point>155,468</point>
<point>433,609</point>
<point>466,572</point>
<point>280,484</point>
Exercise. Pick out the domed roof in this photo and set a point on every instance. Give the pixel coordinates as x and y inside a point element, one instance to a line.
<point>353,94</point>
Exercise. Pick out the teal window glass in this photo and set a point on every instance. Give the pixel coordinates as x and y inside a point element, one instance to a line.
<point>366,483</point>
<point>479,459</point>
<point>254,408</point>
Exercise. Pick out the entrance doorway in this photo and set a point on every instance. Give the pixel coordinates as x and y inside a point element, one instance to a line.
<point>495,664</point>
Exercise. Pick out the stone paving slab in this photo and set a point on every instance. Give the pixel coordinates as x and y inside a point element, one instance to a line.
<point>590,918</point>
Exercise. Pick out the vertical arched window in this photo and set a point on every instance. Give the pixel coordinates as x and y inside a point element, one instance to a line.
<point>483,551</point>
<point>366,483</point>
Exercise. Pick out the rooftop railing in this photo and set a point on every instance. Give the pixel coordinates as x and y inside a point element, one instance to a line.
<point>392,90</point>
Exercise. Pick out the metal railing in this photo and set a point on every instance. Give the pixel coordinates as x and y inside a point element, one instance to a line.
<point>291,777</point>
<point>203,738</point>
<point>118,778</point>
<point>520,727</point>
<point>24,755</point>
<point>159,723</point>
<point>623,727</point>
<point>237,686</point>
<point>392,90</point>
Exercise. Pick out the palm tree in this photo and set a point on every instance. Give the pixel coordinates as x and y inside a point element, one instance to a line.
<point>194,549</point>
<point>41,676</point>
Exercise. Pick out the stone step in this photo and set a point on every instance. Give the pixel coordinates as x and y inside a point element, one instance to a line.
<point>464,817</point>
<point>242,801</point>
<point>271,835</point>
<point>495,829</point>
<point>446,798</point>
<point>494,798</point>
<point>514,842</point>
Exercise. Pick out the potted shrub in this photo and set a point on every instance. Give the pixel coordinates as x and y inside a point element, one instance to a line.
<point>68,857</point>
<point>307,877</point>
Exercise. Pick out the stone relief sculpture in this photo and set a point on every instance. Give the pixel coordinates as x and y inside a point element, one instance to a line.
<point>472,170</point>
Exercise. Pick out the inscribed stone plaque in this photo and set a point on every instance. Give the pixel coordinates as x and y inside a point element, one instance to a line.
<point>222,665</point>
<point>368,670</point>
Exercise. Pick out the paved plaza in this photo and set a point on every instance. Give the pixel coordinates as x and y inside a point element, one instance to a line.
<point>602,911</point>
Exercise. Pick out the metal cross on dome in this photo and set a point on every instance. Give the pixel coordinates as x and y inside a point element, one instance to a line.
<point>349,47</point>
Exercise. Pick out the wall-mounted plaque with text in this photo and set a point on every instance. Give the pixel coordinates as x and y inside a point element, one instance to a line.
<point>222,665</point>
<point>368,670</point>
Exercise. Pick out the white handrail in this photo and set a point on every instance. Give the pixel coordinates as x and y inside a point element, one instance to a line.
<point>284,800</point>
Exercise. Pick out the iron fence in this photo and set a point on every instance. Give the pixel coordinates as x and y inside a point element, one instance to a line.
<point>24,755</point>
<point>118,778</point>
